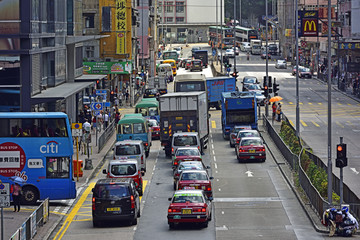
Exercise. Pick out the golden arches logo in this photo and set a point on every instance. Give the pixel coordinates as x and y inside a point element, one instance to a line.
<point>311,25</point>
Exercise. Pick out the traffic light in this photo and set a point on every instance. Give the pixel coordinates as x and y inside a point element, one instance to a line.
<point>269,82</point>
<point>341,159</point>
<point>235,75</point>
<point>275,88</point>
<point>266,91</point>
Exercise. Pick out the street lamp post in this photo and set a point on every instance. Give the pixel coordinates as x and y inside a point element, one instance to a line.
<point>234,36</point>
<point>267,59</point>
<point>297,68</point>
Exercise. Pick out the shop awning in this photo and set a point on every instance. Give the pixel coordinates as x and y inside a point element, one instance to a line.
<point>62,91</point>
<point>90,77</point>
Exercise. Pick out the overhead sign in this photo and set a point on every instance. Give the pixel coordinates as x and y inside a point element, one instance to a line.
<point>308,23</point>
<point>107,67</point>
<point>101,92</point>
<point>97,106</point>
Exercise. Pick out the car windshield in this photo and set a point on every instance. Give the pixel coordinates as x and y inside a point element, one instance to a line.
<point>248,134</point>
<point>153,111</point>
<point>192,198</point>
<point>123,169</point>
<point>151,91</point>
<point>153,123</point>
<point>281,61</point>
<point>251,142</point>
<point>250,80</point>
<point>111,191</point>
<point>254,87</point>
<point>188,176</point>
<point>185,140</point>
<point>190,166</point>
<point>124,150</point>
<point>304,70</point>
<point>188,152</point>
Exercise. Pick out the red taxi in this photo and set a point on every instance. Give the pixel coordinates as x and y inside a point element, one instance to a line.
<point>186,154</point>
<point>187,165</point>
<point>125,169</point>
<point>189,206</point>
<point>195,179</point>
<point>155,129</point>
<point>251,148</point>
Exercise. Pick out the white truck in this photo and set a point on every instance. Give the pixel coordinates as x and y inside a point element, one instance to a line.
<point>183,112</point>
<point>255,45</point>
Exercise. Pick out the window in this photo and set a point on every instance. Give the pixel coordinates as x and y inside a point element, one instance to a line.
<point>139,128</point>
<point>180,7</point>
<point>169,19</point>
<point>90,51</point>
<point>160,8</point>
<point>169,7</point>
<point>180,19</point>
<point>89,21</point>
<point>57,167</point>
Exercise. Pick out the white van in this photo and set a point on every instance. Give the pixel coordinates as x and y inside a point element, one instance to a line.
<point>185,139</point>
<point>245,46</point>
<point>165,70</point>
<point>131,150</point>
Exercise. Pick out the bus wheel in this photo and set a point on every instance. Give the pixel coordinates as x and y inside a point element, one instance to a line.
<point>30,195</point>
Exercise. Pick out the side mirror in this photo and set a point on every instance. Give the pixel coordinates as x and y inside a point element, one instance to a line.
<point>208,167</point>
<point>169,198</point>
<point>104,171</point>
<point>209,115</point>
<point>210,198</point>
<point>211,178</point>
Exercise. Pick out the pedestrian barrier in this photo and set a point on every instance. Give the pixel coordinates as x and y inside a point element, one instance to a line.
<point>35,221</point>
<point>317,202</point>
<point>104,137</point>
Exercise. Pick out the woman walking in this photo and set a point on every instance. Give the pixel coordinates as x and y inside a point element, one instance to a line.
<point>16,194</point>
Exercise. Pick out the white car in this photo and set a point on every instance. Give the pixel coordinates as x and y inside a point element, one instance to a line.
<point>230,53</point>
<point>280,64</point>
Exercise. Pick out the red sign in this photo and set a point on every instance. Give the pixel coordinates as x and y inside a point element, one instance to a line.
<point>12,159</point>
<point>310,27</point>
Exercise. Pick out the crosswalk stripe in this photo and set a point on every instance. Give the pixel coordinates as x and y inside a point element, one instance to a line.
<point>339,124</point>
<point>317,125</point>
<point>213,124</point>
<point>303,123</point>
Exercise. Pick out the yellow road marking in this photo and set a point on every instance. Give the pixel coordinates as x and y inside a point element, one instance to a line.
<point>349,123</point>
<point>320,103</point>
<point>317,125</point>
<point>291,103</point>
<point>300,103</point>
<point>310,103</point>
<point>339,104</point>
<point>83,220</point>
<point>213,124</point>
<point>291,122</point>
<point>339,124</point>
<point>303,123</point>
<point>349,104</point>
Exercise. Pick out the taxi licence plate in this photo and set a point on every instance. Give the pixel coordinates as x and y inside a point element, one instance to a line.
<point>151,95</point>
<point>186,211</point>
<point>252,151</point>
<point>115,209</point>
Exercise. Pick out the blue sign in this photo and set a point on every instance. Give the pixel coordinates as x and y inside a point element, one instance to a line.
<point>100,92</point>
<point>228,69</point>
<point>107,104</point>
<point>97,106</point>
<point>214,52</point>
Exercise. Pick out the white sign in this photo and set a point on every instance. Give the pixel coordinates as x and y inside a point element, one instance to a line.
<point>35,163</point>
<point>4,194</point>
<point>4,201</point>
<point>10,159</point>
<point>76,132</point>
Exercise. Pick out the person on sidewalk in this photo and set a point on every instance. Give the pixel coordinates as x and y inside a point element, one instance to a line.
<point>273,111</point>
<point>16,195</point>
<point>106,119</point>
<point>278,112</point>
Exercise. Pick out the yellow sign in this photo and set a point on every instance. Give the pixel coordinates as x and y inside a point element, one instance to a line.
<point>76,126</point>
<point>121,26</point>
<point>309,26</point>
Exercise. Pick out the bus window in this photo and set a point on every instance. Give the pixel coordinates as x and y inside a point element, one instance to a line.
<point>153,111</point>
<point>143,111</point>
<point>57,167</point>
<point>139,128</point>
<point>126,128</point>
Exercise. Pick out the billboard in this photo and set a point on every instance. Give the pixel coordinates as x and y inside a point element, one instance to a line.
<point>107,67</point>
<point>308,23</point>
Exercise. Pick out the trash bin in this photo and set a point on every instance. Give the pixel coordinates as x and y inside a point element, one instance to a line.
<point>75,167</point>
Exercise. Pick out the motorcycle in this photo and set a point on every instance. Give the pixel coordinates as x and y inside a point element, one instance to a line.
<point>340,222</point>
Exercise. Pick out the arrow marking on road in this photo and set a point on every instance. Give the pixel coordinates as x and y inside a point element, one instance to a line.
<point>249,173</point>
<point>354,170</point>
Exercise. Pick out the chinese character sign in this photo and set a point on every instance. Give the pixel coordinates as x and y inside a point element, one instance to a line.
<point>121,26</point>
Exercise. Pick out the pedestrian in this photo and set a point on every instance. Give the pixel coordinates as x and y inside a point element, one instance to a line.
<point>94,124</point>
<point>127,96</point>
<point>278,112</point>
<point>16,195</point>
<point>106,120</point>
<point>99,120</point>
<point>273,111</point>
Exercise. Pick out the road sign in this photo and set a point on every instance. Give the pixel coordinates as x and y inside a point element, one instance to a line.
<point>76,125</point>
<point>76,132</point>
<point>4,194</point>
<point>107,104</point>
<point>100,92</point>
<point>303,44</point>
<point>214,52</point>
<point>97,106</point>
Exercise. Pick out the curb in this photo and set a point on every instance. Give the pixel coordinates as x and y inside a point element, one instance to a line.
<point>52,228</point>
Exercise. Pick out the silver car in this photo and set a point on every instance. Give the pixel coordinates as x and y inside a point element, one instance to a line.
<point>280,64</point>
<point>235,131</point>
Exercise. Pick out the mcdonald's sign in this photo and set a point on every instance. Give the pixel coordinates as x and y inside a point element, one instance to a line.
<point>310,27</point>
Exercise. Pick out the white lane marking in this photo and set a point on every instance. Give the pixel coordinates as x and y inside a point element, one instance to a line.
<point>213,152</point>
<point>134,228</point>
<point>216,171</point>
<point>219,189</point>
<point>249,173</point>
<point>212,146</point>
<point>214,159</point>
<point>354,170</point>
<point>212,141</point>
<point>215,165</point>
<point>217,179</point>
<point>222,212</point>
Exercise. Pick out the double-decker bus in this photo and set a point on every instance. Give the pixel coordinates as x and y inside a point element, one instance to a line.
<point>221,37</point>
<point>244,34</point>
<point>9,99</point>
<point>37,147</point>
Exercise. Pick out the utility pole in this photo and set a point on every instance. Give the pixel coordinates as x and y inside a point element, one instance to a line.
<point>297,68</point>
<point>221,29</point>
<point>329,190</point>
<point>217,30</point>
<point>142,35</point>
<point>234,36</point>
<point>266,52</point>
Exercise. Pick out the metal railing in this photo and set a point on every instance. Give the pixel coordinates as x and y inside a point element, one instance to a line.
<point>36,220</point>
<point>317,201</point>
<point>104,137</point>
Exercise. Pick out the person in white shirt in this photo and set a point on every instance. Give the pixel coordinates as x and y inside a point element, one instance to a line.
<point>106,120</point>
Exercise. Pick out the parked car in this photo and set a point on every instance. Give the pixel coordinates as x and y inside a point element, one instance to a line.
<point>186,154</point>
<point>151,93</point>
<point>187,165</point>
<point>281,63</point>
<point>305,73</point>
<point>250,148</point>
<point>196,64</point>
<point>155,129</point>
<point>189,206</point>
<point>234,131</point>
<point>125,169</point>
<point>195,179</point>
<point>115,199</point>
<point>263,55</point>
<point>230,53</point>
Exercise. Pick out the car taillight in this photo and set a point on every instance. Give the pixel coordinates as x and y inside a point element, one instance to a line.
<point>242,150</point>
<point>132,201</point>
<point>108,175</point>
<point>203,210</point>
<point>262,150</point>
<point>233,136</point>
<point>114,157</point>
<point>238,140</point>
<point>208,189</point>
<point>171,210</point>
<point>93,203</point>
<point>142,159</point>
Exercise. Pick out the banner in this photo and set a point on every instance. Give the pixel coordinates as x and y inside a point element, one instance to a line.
<point>121,26</point>
<point>107,67</point>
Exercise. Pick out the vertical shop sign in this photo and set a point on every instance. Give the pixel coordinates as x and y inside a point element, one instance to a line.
<point>121,26</point>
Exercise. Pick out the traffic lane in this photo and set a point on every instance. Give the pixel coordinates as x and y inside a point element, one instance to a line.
<point>253,199</point>
<point>78,223</point>
<point>206,71</point>
<point>153,221</point>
